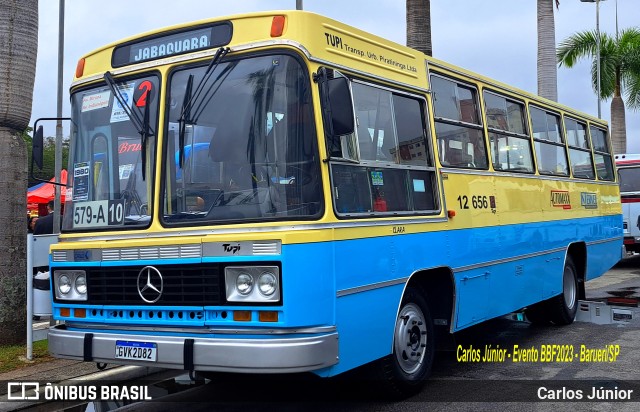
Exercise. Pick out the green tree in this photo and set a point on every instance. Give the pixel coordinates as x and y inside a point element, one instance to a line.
<point>547,70</point>
<point>619,72</point>
<point>419,26</point>
<point>18,51</point>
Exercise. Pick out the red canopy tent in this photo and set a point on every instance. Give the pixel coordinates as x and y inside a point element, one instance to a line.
<point>45,193</point>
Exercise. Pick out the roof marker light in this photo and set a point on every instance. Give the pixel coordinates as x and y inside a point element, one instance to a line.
<point>277,26</point>
<point>80,68</point>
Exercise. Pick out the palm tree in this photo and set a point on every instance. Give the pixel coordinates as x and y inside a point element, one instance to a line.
<point>547,70</point>
<point>619,72</point>
<point>18,50</point>
<point>419,25</point>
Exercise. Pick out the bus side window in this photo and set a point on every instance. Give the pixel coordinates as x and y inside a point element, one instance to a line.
<point>601,154</point>
<point>351,189</point>
<point>509,142</point>
<point>458,124</point>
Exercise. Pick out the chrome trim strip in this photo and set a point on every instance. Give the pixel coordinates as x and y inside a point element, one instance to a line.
<point>529,255</point>
<point>498,173</point>
<point>206,330</point>
<point>379,285</point>
<point>256,355</point>
<point>373,286</point>
<point>612,239</point>
<point>379,221</point>
<point>507,260</point>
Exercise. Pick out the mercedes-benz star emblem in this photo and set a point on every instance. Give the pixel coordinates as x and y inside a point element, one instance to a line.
<point>150,284</point>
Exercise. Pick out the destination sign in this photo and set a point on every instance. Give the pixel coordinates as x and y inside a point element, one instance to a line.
<point>172,44</point>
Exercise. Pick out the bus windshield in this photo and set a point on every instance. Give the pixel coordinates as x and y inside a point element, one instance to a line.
<point>241,143</point>
<point>107,188</point>
<point>629,179</point>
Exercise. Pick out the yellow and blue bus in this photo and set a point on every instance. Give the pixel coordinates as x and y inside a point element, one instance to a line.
<point>309,197</point>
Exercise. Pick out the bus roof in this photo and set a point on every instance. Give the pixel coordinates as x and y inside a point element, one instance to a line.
<point>322,39</point>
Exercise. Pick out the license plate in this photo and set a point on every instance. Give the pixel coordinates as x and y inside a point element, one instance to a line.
<point>144,351</point>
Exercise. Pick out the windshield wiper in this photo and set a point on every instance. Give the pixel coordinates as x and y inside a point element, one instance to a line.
<point>184,118</point>
<point>189,98</point>
<point>142,125</point>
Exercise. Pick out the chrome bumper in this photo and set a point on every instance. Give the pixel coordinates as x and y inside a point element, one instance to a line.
<point>281,355</point>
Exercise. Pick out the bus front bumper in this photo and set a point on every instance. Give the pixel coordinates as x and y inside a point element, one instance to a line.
<point>278,355</point>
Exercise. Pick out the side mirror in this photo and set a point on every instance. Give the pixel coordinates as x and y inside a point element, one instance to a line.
<point>38,147</point>
<point>341,106</point>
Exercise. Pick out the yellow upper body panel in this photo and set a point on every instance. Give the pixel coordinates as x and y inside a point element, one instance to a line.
<point>326,41</point>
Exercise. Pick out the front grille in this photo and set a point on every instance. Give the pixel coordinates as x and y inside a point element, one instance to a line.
<point>183,286</point>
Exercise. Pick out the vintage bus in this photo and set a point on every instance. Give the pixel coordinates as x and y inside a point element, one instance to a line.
<point>629,176</point>
<point>316,198</point>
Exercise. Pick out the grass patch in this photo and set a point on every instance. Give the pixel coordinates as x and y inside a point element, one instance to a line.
<point>14,357</point>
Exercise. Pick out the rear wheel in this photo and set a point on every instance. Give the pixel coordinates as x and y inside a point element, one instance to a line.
<point>565,306</point>
<point>406,369</point>
<point>561,309</point>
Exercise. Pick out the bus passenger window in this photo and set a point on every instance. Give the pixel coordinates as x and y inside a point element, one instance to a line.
<point>351,189</point>
<point>458,125</point>
<point>376,140</point>
<point>602,156</point>
<point>389,190</point>
<point>394,173</point>
<point>549,144</point>
<point>510,144</point>
<point>579,150</point>
<point>410,131</point>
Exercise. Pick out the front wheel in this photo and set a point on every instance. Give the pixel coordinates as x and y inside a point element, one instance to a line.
<point>406,369</point>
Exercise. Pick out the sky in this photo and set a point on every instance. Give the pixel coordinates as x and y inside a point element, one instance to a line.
<point>496,38</point>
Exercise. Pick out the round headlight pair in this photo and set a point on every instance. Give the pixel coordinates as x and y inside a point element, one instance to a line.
<point>267,283</point>
<point>64,284</point>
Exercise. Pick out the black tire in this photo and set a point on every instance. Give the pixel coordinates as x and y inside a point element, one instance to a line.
<point>561,309</point>
<point>404,372</point>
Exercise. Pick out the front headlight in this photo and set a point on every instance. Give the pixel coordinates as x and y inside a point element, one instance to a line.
<point>267,283</point>
<point>64,284</point>
<point>257,284</point>
<point>70,284</point>
<point>244,284</point>
<point>81,284</point>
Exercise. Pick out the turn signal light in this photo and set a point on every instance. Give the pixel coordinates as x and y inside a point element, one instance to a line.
<point>242,315</point>
<point>66,312</point>
<point>80,313</point>
<point>451,213</point>
<point>277,26</point>
<point>268,316</point>
<point>80,68</point>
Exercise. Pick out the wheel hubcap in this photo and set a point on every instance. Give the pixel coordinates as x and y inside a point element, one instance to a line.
<point>410,338</point>
<point>569,288</point>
